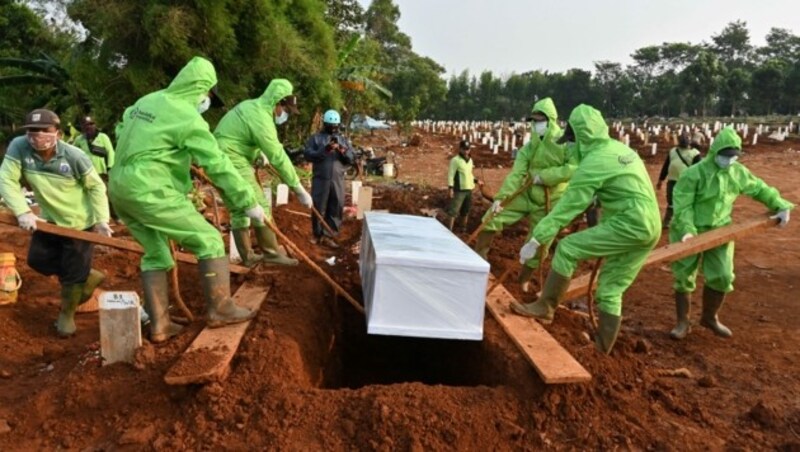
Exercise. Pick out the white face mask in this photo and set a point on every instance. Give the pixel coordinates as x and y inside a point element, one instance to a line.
<point>540,128</point>
<point>283,117</point>
<point>725,162</point>
<point>204,105</point>
<point>42,141</point>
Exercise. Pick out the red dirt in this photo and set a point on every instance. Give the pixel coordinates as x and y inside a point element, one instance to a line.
<point>307,376</point>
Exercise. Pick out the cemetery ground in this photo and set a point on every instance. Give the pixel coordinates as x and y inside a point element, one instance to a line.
<point>308,377</point>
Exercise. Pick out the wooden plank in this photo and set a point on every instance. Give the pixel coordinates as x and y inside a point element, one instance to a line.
<point>364,201</point>
<point>675,251</point>
<point>552,362</point>
<point>127,245</point>
<point>209,356</point>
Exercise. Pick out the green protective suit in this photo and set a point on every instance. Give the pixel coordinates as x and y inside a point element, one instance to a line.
<point>630,225</point>
<point>160,136</point>
<point>703,200</point>
<point>552,162</point>
<point>245,132</point>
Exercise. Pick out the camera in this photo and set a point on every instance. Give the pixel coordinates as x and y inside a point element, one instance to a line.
<point>334,140</point>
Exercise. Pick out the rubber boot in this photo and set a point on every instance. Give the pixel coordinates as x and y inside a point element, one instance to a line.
<point>483,243</point>
<point>93,281</point>
<point>712,303</point>
<point>269,245</point>
<point>241,237</point>
<point>667,218</point>
<point>525,278</point>
<point>156,303</point>
<point>71,295</point>
<point>608,327</point>
<point>462,223</point>
<point>451,221</point>
<point>220,308</point>
<point>683,307</point>
<point>544,308</point>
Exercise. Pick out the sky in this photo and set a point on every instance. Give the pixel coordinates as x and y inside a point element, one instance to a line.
<point>507,36</point>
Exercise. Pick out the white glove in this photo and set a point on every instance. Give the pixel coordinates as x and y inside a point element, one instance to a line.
<point>783,216</point>
<point>27,221</point>
<point>303,196</point>
<point>496,207</point>
<point>262,160</point>
<point>537,180</point>
<point>103,228</point>
<point>686,237</point>
<point>256,213</point>
<point>528,250</point>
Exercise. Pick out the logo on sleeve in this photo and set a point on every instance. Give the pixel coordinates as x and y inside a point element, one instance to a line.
<point>64,168</point>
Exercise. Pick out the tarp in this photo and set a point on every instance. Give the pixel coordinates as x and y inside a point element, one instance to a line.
<point>420,280</point>
<point>363,122</point>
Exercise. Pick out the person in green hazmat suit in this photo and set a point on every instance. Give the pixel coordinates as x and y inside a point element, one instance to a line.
<point>703,200</point>
<point>159,138</point>
<point>247,134</point>
<point>549,165</point>
<point>628,229</point>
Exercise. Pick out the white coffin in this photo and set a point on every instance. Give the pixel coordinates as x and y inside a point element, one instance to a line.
<point>420,280</point>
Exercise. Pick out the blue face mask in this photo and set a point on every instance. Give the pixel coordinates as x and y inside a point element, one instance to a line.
<point>725,162</point>
<point>284,116</point>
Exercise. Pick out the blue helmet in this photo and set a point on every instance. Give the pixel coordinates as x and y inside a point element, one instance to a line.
<point>331,117</point>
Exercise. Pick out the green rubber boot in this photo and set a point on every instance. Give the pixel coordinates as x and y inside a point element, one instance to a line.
<point>220,308</point>
<point>483,243</point>
<point>712,303</point>
<point>93,281</point>
<point>269,245</point>
<point>71,295</point>
<point>683,308</point>
<point>608,328</point>
<point>156,303</point>
<point>543,309</point>
<point>241,237</point>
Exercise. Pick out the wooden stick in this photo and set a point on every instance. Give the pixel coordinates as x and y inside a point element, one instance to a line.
<point>503,204</point>
<point>325,225</point>
<point>215,206</point>
<point>542,256</point>
<point>299,253</point>
<point>680,250</point>
<point>500,280</point>
<point>127,245</point>
<point>176,290</point>
<point>590,292</point>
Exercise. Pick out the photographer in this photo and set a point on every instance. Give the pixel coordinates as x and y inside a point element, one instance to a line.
<point>330,153</point>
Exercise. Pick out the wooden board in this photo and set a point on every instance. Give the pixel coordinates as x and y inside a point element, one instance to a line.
<point>209,356</point>
<point>674,251</point>
<point>552,362</point>
<point>8,218</point>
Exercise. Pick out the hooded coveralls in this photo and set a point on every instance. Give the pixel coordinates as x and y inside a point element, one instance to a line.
<point>160,136</point>
<point>703,200</point>
<point>245,132</point>
<point>630,225</point>
<point>552,162</point>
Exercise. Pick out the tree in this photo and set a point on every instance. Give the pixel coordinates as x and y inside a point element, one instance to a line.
<point>701,80</point>
<point>733,44</point>
<point>767,85</point>
<point>734,89</point>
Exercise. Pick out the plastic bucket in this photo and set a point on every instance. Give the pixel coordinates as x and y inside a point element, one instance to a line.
<point>388,170</point>
<point>10,281</point>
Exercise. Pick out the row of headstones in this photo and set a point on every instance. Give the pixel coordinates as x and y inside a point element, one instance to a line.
<point>497,135</point>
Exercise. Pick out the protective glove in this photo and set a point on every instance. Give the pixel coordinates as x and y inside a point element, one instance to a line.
<point>27,221</point>
<point>303,196</point>
<point>528,250</point>
<point>103,228</point>
<point>255,213</point>
<point>783,216</point>
<point>686,237</point>
<point>262,160</point>
<point>496,207</point>
<point>537,180</point>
